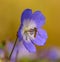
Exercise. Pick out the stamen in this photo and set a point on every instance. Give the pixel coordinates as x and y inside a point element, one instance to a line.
<point>25,34</point>
<point>26,37</point>
<point>35,31</point>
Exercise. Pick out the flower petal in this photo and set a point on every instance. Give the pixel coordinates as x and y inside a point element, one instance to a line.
<point>26,15</point>
<point>39,18</point>
<point>19,33</point>
<point>41,38</point>
<point>2,53</point>
<point>29,46</point>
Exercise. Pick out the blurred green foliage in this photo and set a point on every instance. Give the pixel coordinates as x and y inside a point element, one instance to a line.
<point>35,60</point>
<point>2,44</point>
<point>38,60</point>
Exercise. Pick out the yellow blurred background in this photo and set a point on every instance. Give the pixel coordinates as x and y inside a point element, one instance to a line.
<point>11,10</point>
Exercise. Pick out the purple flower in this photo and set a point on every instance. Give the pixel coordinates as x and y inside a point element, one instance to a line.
<point>2,54</point>
<point>30,31</point>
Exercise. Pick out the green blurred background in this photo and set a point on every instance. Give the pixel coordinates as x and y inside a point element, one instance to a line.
<point>11,10</point>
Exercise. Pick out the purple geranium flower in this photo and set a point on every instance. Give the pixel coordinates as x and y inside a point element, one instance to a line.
<point>30,31</point>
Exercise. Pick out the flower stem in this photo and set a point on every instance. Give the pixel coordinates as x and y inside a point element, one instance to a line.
<point>13,48</point>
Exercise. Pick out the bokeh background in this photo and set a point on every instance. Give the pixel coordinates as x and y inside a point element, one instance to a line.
<point>10,13</point>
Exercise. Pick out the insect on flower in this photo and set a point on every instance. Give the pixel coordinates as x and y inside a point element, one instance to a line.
<point>30,31</point>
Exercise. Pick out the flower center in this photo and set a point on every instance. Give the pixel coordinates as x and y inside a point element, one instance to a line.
<point>29,30</point>
<point>31,34</point>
